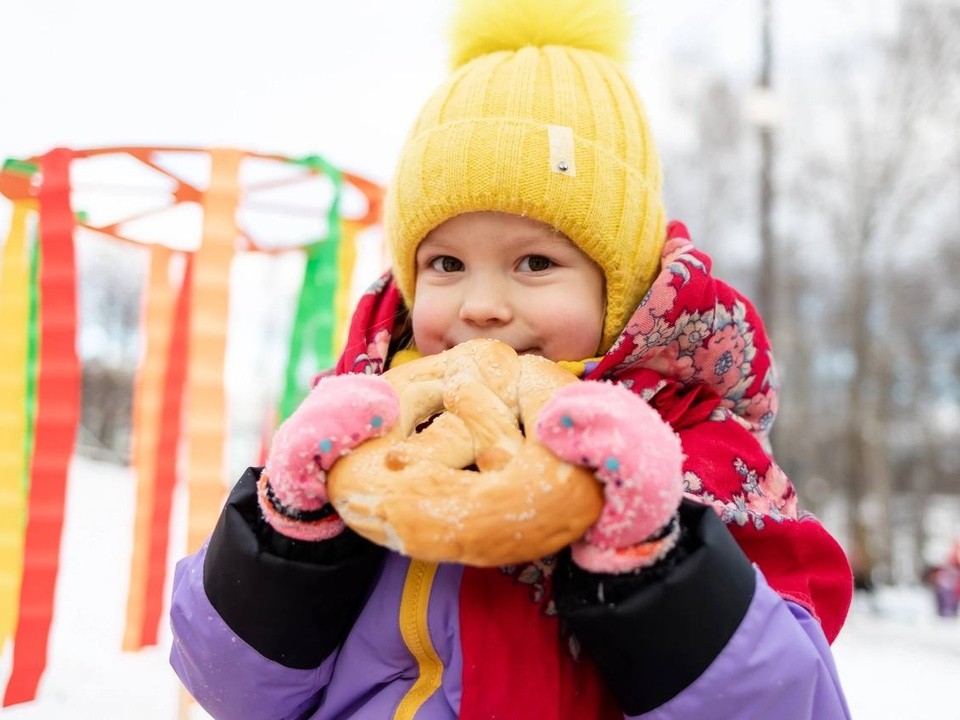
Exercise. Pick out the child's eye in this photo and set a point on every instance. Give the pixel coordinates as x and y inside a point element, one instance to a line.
<point>446,264</point>
<point>535,263</point>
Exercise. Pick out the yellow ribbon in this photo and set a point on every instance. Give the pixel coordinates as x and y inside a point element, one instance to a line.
<point>346,260</point>
<point>14,319</point>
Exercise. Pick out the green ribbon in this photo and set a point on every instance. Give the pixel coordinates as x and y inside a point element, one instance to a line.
<point>312,336</point>
<point>21,167</point>
<point>33,350</point>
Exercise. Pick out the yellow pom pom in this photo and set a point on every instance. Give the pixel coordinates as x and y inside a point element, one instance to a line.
<point>485,26</point>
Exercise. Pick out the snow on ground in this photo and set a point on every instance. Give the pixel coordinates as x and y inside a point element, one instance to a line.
<point>896,659</point>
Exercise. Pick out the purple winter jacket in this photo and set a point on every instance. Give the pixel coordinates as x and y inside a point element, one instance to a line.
<point>266,627</point>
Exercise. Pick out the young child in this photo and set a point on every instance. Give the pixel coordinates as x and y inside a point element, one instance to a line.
<point>526,207</point>
<point>945,580</point>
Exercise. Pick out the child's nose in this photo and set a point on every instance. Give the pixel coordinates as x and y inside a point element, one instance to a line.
<point>485,303</point>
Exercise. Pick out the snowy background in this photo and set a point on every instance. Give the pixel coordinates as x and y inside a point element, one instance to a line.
<point>346,79</point>
<point>897,660</point>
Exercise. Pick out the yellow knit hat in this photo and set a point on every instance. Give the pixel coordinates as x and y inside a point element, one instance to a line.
<point>538,119</point>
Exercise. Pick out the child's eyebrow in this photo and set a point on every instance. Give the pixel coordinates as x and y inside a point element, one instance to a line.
<point>558,240</point>
<point>430,245</point>
<point>425,251</point>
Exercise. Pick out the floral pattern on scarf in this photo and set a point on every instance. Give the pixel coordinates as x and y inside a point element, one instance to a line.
<point>688,331</point>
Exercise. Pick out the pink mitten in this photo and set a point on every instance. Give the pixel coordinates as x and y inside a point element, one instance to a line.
<point>636,456</point>
<point>338,414</point>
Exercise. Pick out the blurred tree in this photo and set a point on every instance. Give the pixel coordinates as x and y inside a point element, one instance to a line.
<point>882,197</point>
<point>861,250</point>
<point>110,288</point>
<point>767,270</point>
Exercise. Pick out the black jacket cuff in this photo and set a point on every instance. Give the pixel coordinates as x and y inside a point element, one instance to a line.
<point>292,601</point>
<point>652,633</point>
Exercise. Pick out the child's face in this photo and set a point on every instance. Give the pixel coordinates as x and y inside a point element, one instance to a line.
<point>501,276</point>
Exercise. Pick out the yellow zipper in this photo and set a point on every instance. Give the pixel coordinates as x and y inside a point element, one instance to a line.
<point>416,634</point>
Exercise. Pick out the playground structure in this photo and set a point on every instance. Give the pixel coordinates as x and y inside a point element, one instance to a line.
<point>179,397</point>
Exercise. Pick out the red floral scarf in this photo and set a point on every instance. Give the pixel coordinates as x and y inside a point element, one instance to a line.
<point>697,351</point>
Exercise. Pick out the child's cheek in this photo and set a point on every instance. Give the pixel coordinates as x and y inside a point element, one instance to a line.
<point>430,320</point>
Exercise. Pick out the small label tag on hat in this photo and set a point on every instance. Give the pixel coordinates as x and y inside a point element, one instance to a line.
<point>562,159</point>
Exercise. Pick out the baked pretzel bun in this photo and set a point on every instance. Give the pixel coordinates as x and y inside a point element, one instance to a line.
<point>455,479</point>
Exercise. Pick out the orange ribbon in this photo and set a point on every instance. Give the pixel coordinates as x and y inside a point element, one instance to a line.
<point>147,419</point>
<point>209,314</point>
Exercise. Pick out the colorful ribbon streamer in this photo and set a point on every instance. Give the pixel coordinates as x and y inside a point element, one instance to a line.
<point>15,284</point>
<point>166,466</point>
<point>147,418</point>
<point>312,336</point>
<point>209,315</point>
<point>185,346</point>
<point>346,262</point>
<point>58,398</point>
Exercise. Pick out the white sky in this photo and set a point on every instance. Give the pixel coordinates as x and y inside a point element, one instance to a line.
<point>344,79</point>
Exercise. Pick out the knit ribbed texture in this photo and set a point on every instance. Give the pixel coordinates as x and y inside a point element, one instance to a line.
<point>482,143</point>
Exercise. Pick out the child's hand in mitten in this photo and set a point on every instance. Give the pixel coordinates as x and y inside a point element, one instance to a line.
<point>338,414</point>
<point>636,456</point>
